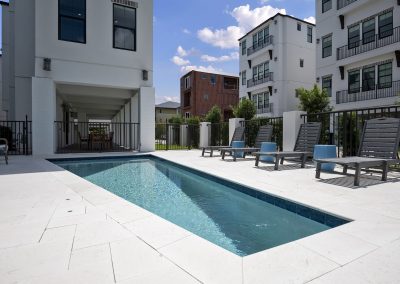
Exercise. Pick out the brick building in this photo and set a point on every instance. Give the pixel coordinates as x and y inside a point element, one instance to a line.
<point>200,91</point>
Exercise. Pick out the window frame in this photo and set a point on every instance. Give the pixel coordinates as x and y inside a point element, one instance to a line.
<point>301,63</point>
<point>266,99</point>
<point>74,18</point>
<point>350,43</point>
<point>324,2</point>
<point>135,30</point>
<point>244,47</point>
<point>371,38</point>
<point>380,27</point>
<point>299,27</point>
<point>354,90</point>
<point>329,87</point>
<point>309,34</point>
<point>244,78</point>
<point>366,83</point>
<point>325,47</point>
<point>390,82</point>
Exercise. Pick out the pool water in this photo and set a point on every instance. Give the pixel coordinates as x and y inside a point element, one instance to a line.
<point>205,206</point>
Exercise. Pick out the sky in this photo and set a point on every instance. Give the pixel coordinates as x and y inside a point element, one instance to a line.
<point>202,35</point>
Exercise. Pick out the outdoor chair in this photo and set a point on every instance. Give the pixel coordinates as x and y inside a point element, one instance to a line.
<point>238,135</point>
<point>109,140</point>
<point>378,149</point>
<point>83,140</point>
<point>4,148</point>
<point>308,136</point>
<point>264,135</point>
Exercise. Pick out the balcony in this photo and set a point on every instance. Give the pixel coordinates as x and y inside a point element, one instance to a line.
<point>379,92</point>
<point>266,78</point>
<point>269,108</point>
<point>260,45</point>
<point>343,3</point>
<point>392,36</point>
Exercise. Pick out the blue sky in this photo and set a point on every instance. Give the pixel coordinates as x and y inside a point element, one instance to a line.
<point>190,34</point>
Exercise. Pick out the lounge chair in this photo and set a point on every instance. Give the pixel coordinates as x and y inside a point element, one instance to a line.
<point>83,140</point>
<point>264,135</point>
<point>238,135</point>
<point>379,148</point>
<point>4,148</point>
<point>307,138</point>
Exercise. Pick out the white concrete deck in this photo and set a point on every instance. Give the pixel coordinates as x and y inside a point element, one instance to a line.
<point>58,228</point>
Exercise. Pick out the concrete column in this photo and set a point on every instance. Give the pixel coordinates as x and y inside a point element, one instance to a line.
<point>183,135</point>
<point>291,125</point>
<point>43,116</point>
<point>135,119</point>
<point>146,116</point>
<point>233,124</point>
<point>204,134</point>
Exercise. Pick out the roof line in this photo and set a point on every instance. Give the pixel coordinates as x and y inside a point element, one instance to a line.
<point>4,3</point>
<point>271,18</point>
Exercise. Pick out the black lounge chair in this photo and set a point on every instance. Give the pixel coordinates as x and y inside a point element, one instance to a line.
<point>307,138</point>
<point>4,148</point>
<point>264,135</point>
<point>238,135</point>
<point>379,148</point>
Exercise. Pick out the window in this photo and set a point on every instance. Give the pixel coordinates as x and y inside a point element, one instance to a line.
<point>266,33</point>
<point>385,75</point>
<point>260,37</point>
<point>187,114</point>
<point>327,85</point>
<point>124,28</point>
<point>213,79</point>
<point>266,69</point>
<point>187,82</point>
<point>369,31</point>
<point>204,76</point>
<point>260,101</point>
<point>244,80</point>
<point>309,34</point>
<point>244,48</point>
<point>260,71</point>
<point>255,73</point>
<point>368,79</point>
<point>205,97</point>
<point>72,20</point>
<point>230,83</point>
<point>266,100</point>
<point>326,5</point>
<point>327,46</point>
<point>354,36</point>
<point>386,25</point>
<point>301,63</point>
<point>254,99</point>
<point>354,81</point>
<point>299,27</point>
<point>255,40</point>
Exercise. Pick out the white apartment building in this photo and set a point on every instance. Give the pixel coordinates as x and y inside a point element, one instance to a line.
<point>81,60</point>
<point>358,52</point>
<point>276,58</point>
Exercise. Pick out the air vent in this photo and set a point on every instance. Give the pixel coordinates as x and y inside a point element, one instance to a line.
<point>128,3</point>
<point>318,40</point>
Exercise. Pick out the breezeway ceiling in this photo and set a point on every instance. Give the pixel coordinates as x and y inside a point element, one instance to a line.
<point>96,102</point>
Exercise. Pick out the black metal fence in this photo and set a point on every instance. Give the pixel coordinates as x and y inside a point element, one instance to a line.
<point>218,134</point>
<point>171,136</point>
<point>252,127</point>
<point>18,135</point>
<point>78,137</point>
<point>344,128</point>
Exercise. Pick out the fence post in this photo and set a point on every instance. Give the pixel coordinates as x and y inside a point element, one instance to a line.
<point>233,124</point>
<point>25,135</point>
<point>291,125</point>
<point>204,134</point>
<point>184,135</point>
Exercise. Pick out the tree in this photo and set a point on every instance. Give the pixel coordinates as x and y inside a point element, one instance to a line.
<point>176,120</point>
<point>245,109</point>
<point>214,115</point>
<point>193,120</point>
<point>314,100</point>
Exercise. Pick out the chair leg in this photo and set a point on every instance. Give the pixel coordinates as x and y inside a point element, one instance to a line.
<point>211,153</point>
<point>318,170</point>
<point>223,155</point>
<point>234,156</point>
<point>303,161</point>
<point>257,160</point>
<point>277,162</point>
<point>357,175</point>
<point>345,169</point>
<point>202,152</point>
<point>385,169</point>
<point>282,160</point>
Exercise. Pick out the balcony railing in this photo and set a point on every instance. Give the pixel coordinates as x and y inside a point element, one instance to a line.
<point>365,45</point>
<point>260,45</point>
<point>269,108</point>
<point>379,91</point>
<point>266,78</point>
<point>343,3</point>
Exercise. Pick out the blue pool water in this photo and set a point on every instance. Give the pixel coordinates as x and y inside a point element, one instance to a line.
<point>234,217</point>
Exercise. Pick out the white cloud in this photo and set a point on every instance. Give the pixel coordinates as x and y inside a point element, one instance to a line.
<point>180,51</point>
<point>186,31</point>
<point>224,58</point>
<point>188,68</point>
<point>179,61</point>
<point>246,20</point>
<point>310,19</point>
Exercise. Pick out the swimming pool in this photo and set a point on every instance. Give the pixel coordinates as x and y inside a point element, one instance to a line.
<point>237,218</point>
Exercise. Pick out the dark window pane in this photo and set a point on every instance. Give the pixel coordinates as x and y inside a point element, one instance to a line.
<point>386,25</point>
<point>368,79</point>
<point>326,5</point>
<point>354,37</point>
<point>327,85</point>
<point>385,75</point>
<point>326,46</point>
<point>124,38</point>
<point>124,27</point>
<point>72,29</point>
<point>354,81</point>
<point>73,8</point>
<point>369,31</point>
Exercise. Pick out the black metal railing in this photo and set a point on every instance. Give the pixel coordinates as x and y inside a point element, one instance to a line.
<point>368,44</point>
<point>80,137</point>
<point>218,134</point>
<point>268,77</point>
<point>171,136</point>
<point>252,127</point>
<point>260,45</point>
<point>343,3</point>
<point>344,128</point>
<point>379,91</point>
<point>269,108</point>
<point>18,135</point>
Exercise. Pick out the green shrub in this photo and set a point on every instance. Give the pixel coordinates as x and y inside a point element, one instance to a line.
<point>214,115</point>
<point>245,109</point>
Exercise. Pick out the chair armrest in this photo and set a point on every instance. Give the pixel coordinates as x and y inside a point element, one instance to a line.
<point>4,140</point>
